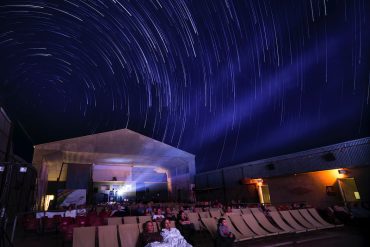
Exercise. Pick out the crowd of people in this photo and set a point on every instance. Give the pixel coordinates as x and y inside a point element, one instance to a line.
<point>182,235</point>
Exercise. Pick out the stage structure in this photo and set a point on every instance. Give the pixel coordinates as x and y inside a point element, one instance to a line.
<point>115,166</point>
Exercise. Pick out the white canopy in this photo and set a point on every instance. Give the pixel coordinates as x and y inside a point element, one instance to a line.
<point>119,148</point>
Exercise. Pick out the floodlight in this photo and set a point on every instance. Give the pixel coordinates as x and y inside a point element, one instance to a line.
<point>23,169</point>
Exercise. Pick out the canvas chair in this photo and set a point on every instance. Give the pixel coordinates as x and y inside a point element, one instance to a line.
<point>311,220</point>
<point>211,226</point>
<point>130,220</point>
<point>84,236</point>
<point>114,220</point>
<point>194,218</point>
<point>238,236</point>
<point>204,214</point>
<point>293,223</point>
<point>241,225</point>
<point>245,210</point>
<point>143,219</point>
<point>256,228</point>
<point>298,217</point>
<point>261,218</point>
<point>215,214</point>
<point>280,222</point>
<point>108,236</point>
<point>128,235</point>
<point>316,215</point>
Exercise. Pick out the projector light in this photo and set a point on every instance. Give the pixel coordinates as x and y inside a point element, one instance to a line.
<point>23,169</point>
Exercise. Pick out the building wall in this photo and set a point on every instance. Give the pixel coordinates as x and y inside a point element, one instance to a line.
<point>278,172</point>
<point>306,187</point>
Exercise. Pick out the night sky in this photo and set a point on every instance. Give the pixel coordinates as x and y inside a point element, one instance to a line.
<point>229,81</point>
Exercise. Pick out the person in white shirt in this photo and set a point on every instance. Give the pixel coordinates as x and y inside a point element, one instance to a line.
<point>70,212</point>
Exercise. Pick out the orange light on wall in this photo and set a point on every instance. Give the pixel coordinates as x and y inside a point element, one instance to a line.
<point>259,181</point>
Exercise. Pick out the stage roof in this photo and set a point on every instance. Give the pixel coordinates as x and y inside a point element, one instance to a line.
<point>120,147</point>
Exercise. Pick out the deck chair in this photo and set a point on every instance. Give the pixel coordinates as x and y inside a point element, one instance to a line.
<point>245,210</point>
<point>280,222</point>
<point>194,218</point>
<point>211,226</point>
<point>108,236</point>
<point>261,218</point>
<point>316,215</point>
<point>128,235</point>
<point>254,226</point>
<point>84,236</point>
<point>114,220</point>
<point>241,225</point>
<point>292,222</point>
<point>311,220</point>
<point>143,219</point>
<point>130,220</point>
<point>198,210</point>
<point>298,217</point>
<point>271,208</point>
<point>215,214</point>
<point>204,215</point>
<point>237,211</point>
<point>238,236</point>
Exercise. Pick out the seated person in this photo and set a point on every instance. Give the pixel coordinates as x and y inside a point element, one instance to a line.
<point>104,213</point>
<point>172,236</point>
<point>224,237</point>
<point>148,235</point>
<point>158,216</point>
<point>186,228</point>
<point>81,210</point>
<point>228,210</point>
<point>119,212</point>
<point>169,215</point>
<point>70,212</point>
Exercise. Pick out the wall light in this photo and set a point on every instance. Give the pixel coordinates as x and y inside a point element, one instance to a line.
<point>342,171</point>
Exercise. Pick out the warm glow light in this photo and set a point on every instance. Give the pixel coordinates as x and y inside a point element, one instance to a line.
<point>48,198</point>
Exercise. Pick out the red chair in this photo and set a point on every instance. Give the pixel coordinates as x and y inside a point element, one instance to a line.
<point>31,226</point>
<point>64,223</point>
<point>48,224</point>
<point>58,219</point>
<point>81,221</point>
<point>95,221</point>
<point>68,233</point>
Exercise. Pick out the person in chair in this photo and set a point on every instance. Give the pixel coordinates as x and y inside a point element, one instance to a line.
<point>148,235</point>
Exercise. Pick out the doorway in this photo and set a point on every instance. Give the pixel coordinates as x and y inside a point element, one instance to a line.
<point>348,189</point>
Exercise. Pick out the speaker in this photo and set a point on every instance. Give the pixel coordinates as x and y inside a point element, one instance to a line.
<point>270,166</point>
<point>328,157</point>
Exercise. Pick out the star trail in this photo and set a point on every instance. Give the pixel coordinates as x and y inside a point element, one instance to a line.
<point>229,81</point>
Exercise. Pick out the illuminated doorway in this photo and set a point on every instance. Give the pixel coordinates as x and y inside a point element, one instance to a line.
<point>348,189</point>
<point>264,194</point>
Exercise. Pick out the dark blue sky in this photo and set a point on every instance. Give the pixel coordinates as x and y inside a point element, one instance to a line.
<point>229,81</point>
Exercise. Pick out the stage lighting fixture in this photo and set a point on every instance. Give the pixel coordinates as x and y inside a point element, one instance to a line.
<point>23,169</point>
<point>2,168</point>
